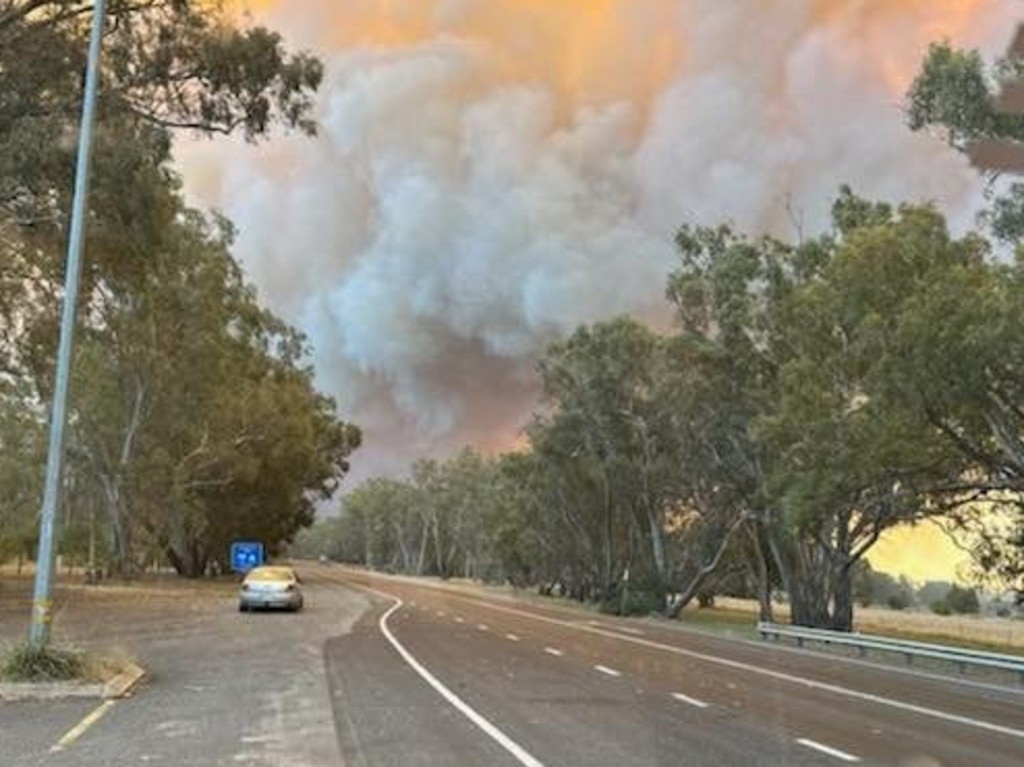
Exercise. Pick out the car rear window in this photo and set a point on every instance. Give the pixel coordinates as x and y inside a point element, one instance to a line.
<point>271,574</point>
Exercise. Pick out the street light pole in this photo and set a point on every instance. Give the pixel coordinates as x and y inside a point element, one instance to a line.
<point>42,601</point>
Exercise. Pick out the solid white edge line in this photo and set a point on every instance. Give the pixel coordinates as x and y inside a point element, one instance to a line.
<point>614,627</point>
<point>607,671</point>
<point>518,752</point>
<point>552,651</point>
<point>806,742</point>
<point>79,729</point>
<point>688,700</point>
<point>780,675</point>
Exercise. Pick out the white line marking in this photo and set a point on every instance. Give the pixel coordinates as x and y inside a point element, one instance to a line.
<point>607,671</point>
<point>511,637</point>
<point>518,752</point>
<point>459,619</point>
<point>688,700</point>
<point>553,651</point>
<point>779,675</point>
<point>828,750</point>
<point>79,729</point>
<point>613,627</point>
<point>439,613</point>
<point>482,626</point>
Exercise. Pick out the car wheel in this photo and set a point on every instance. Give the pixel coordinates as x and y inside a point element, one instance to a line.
<point>243,608</point>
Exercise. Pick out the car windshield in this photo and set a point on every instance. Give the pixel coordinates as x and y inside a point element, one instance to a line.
<point>511,382</point>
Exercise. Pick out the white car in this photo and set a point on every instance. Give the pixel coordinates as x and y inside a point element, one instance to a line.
<point>270,588</point>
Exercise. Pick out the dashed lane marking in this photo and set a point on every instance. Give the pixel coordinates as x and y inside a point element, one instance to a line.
<point>782,676</point>
<point>688,700</point>
<point>833,752</point>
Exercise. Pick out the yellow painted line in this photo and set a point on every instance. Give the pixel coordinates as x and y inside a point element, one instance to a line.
<point>79,729</point>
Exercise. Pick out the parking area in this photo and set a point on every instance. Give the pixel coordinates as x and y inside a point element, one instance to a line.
<point>223,687</point>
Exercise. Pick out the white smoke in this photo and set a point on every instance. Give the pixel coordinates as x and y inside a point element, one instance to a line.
<point>487,177</point>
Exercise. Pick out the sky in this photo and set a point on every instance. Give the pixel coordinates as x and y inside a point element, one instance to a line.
<point>489,174</point>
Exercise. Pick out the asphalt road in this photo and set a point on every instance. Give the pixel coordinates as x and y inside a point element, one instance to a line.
<point>225,688</point>
<point>389,671</point>
<point>565,688</point>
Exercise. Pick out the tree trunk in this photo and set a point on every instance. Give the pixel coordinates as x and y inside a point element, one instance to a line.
<point>757,564</point>
<point>421,561</point>
<point>705,572</point>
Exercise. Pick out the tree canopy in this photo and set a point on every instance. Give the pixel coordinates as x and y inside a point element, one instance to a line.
<point>194,417</point>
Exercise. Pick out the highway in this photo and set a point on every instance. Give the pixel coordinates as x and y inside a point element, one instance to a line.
<point>447,676</point>
<point>390,672</point>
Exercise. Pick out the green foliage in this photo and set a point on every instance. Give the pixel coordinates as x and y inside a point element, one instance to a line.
<point>953,96</point>
<point>871,587</point>
<point>194,419</point>
<point>933,591</point>
<point>963,601</point>
<point>941,607</point>
<point>29,663</point>
<point>898,601</point>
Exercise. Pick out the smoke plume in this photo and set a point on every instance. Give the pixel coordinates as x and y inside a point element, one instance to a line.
<point>489,174</point>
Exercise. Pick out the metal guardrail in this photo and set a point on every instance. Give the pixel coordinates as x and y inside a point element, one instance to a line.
<point>961,657</point>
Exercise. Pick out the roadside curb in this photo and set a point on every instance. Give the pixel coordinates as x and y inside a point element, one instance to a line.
<point>48,690</point>
<point>124,683</point>
<point>118,687</point>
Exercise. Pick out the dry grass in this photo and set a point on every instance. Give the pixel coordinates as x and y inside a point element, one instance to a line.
<point>1001,633</point>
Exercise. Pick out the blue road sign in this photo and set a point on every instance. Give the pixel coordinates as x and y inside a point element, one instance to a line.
<point>245,555</point>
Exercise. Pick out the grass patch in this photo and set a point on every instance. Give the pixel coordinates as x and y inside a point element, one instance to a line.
<point>948,640</point>
<point>27,663</point>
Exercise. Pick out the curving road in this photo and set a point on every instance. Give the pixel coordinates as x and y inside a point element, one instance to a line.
<point>438,675</point>
<point>381,671</point>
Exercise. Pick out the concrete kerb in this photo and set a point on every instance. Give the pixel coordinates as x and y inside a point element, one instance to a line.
<point>119,686</point>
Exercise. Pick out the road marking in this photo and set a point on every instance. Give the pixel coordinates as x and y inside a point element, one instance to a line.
<point>779,675</point>
<point>459,619</point>
<point>79,729</point>
<point>553,651</point>
<point>842,755</point>
<point>519,753</point>
<point>607,671</point>
<point>688,700</point>
<point>511,637</point>
<point>482,626</point>
<point>440,613</point>
<point>613,627</point>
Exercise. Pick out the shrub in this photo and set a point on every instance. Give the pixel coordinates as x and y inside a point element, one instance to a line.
<point>28,663</point>
<point>941,607</point>
<point>898,601</point>
<point>963,601</point>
